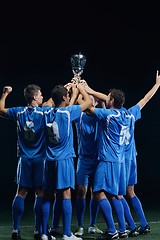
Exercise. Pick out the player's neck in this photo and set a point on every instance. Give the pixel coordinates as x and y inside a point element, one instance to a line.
<point>63,104</point>
<point>31,105</point>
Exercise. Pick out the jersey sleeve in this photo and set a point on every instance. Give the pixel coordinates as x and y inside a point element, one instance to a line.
<point>12,113</point>
<point>102,113</point>
<point>75,112</point>
<point>135,111</point>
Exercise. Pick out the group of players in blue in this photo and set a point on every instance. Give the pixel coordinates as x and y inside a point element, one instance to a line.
<point>106,159</point>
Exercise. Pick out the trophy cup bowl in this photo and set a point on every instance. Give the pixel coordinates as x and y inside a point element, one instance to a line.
<point>78,62</point>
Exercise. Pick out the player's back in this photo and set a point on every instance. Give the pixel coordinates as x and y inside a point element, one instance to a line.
<point>30,131</point>
<point>87,130</point>
<point>59,134</point>
<point>112,132</point>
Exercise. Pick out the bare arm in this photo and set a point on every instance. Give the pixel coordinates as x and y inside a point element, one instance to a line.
<point>68,86</point>
<point>80,99</point>
<point>151,93</point>
<point>94,93</point>
<point>100,96</point>
<point>74,94</point>
<point>49,103</point>
<point>87,102</point>
<point>3,110</point>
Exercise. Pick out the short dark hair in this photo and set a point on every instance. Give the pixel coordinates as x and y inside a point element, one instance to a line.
<point>119,97</point>
<point>57,94</point>
<point>30,91</point>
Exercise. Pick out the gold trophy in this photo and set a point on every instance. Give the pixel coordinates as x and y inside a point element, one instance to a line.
<point>78,62</point>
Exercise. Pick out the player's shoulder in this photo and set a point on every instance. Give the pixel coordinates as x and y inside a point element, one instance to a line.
<point>73,107</point>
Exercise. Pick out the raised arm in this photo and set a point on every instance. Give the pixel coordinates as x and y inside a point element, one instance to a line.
<point>151,93</point>
<point>95,94</point>
<point>87,102</point>
<point>49,103</point>
<point>3,110</point>
<point>74,93</point>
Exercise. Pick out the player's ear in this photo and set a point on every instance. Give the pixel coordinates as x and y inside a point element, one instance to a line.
<point>35,97</point>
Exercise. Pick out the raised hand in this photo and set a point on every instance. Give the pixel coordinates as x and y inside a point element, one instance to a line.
<point>7,89</point>
<point>157,77</point>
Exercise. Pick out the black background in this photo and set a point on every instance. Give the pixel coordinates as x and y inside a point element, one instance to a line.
<point>122,44</point>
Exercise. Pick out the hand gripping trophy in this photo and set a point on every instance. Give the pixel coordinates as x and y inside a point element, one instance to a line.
<point>78,62</point>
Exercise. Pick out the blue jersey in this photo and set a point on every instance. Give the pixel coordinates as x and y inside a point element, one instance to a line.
<point>59,135</point>
<point>87,130</point>
<point>30,131</point>
<point>134,113</point>
<point>112,134</point>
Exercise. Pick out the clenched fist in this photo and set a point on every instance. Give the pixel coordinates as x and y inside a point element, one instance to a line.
<point>7,89</point>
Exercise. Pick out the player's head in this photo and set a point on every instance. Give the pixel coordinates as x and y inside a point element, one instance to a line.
<point>59,95</point>
<point>97,102</point>
<point>32,93</point>
<point>116,98</point>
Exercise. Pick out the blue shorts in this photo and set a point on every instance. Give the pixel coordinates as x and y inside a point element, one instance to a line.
<point>30,172</point>
<point>122,179</point>
<point>110,178</point>
<point>131,172</point>
<point>59,174</point>
<point>86,168</point>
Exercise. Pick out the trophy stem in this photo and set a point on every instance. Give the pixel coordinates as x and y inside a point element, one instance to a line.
<point>76,78</point>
